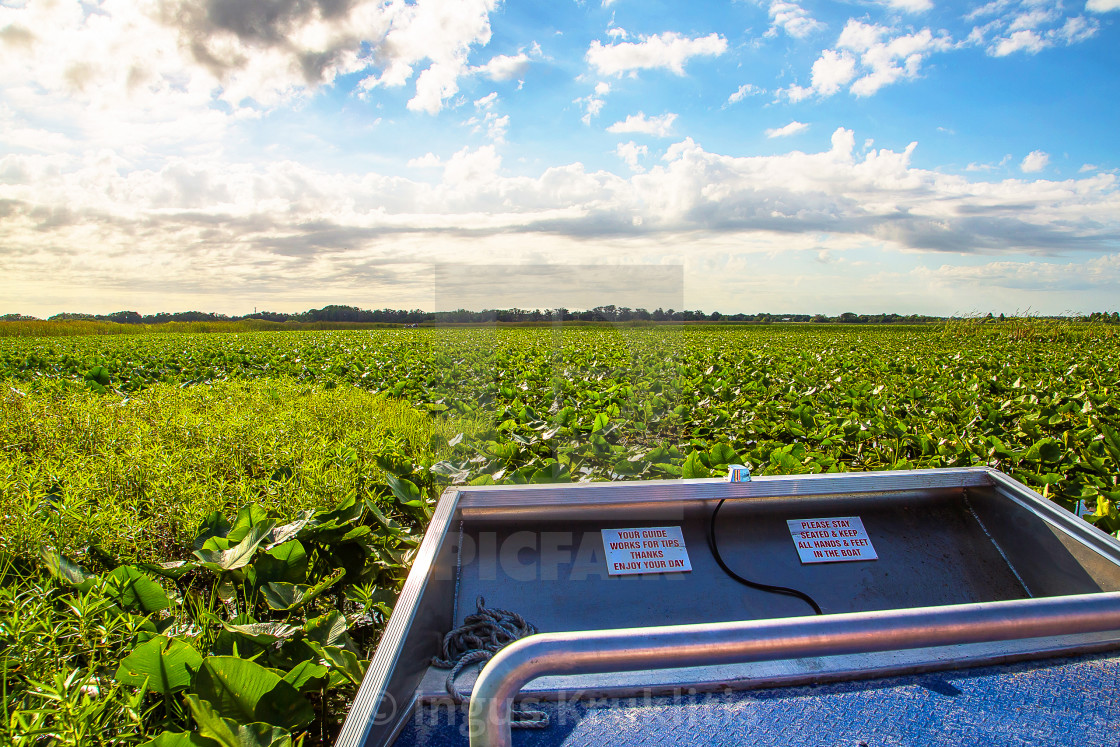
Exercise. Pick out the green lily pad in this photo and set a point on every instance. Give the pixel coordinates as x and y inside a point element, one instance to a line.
<point>166,664</point>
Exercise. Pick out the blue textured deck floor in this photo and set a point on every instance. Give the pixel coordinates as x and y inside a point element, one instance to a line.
<point>1057,703</point>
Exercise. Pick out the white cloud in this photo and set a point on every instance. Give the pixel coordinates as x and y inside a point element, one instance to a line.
<point>150,64</point>
<point>1102,6</point>
<point>669,51</point>
<point>1033,18</point>
<point>792,18</point>
<point>504,67</point>
<point>661,126</point>
<point>490,123</point>
<point>1076,30</point>
<point>832,71</point>
<point>1054,277</point>
<point>869,57</point>
<point>467,166</point>
<point>1028,26</point>
<point>747,89</point>
<point>910,6</point>
<point>428,161</point>
<point>212,225</point>
<point>1085,167</point>
<point>790,129</point>
<point>594,103</point>
<point>615,32</point>
<point>631,153</point>
<point>1034,161</point>
<point>1020,41</point>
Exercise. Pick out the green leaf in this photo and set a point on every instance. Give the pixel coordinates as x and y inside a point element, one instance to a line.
<point>330,630</point>
<point>98,375</point>
<point>1050,451</point>
<point>284,597</point>
<point>65,571</point>
<point>405,490</point>
<point>259,734</point>
<point>134,590</point>
<point>227,733</point>
<point>180,739</point>
<point>286,563</point>
<point>166,664</point>
<point>307,676</point>
<point>210,723</point>
<point>693,467</point>
<point>214,525</point>
<point>600,422</point>
<point>262,633</point>
<point>393,527</point>
<point>722,455</point>
<point>174,569</point>
<point>285,532</point>
<point>341,660</point>
<point>1111,441</point>
<point>247,517</point>
<point>245,692</point>
<point>240,554</point>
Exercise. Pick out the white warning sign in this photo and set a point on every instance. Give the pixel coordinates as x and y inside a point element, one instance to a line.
<point>645,550</point>
<point>831,540</point>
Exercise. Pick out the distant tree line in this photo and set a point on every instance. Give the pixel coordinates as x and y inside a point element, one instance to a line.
<point>611,313</point>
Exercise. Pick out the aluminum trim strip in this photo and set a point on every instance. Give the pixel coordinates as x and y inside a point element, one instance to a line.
<point>362,715</point>
<point>658,491</point>
<point>1058,517</point>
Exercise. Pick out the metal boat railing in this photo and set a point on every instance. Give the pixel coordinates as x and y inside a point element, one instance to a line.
<point>629,649</point>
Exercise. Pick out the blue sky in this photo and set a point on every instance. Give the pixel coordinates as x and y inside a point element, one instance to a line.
<point>913,156</point>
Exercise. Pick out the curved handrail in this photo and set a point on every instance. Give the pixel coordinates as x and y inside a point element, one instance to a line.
<point>628,649</point>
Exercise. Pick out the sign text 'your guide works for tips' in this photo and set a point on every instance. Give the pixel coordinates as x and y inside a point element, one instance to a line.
<point>645,550</point>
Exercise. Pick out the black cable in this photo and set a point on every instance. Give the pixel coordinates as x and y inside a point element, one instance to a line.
<point>761,587</point>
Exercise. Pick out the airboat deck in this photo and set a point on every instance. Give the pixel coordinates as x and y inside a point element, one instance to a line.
<point>973,610</point>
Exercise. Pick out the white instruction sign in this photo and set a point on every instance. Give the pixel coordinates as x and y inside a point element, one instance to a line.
<point>831,540</point>
<point>645,550</point>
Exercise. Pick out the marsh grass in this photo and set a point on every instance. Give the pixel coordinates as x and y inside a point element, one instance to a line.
<point>133,476</point>
<point>109,480</point>
<point>1030,329</point>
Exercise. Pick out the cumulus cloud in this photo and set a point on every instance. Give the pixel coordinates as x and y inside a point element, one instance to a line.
<point>145,60</point>
<point>668,51</point>
<point>632,153</point>
<point>832,71</point>
<point>790,129</point>
<point>504,67</point>
<point>283,222</point>
<point>868,57</point>
<point>427,161</point>
<point>661,126</point>
<point>1034,162</point>
<point>791,18</point>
